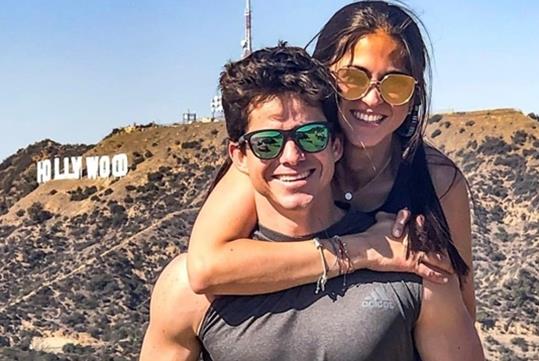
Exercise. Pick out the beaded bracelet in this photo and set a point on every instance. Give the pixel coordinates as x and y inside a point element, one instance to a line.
<point>345,262</point>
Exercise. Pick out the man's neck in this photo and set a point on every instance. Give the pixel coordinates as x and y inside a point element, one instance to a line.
<point>317,216</point>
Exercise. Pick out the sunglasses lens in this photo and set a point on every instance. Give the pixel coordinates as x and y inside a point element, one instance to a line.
<point>313,138</point>
<point>353,83</point>
<point>397,89</point>
<point>266,144</point>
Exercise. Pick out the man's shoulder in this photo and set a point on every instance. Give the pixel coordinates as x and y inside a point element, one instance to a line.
<point>174,278</point>
<point>173,298</point>
<point>175,312</point>
<point>441,296</point>
<point>445,330</point>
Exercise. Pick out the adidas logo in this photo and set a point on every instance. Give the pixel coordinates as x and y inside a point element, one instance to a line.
<point>375,301</point>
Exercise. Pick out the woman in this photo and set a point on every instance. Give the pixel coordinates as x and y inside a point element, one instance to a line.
<point>380,61</point>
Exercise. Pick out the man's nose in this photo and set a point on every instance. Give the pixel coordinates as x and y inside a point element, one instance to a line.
<point>292,154</point>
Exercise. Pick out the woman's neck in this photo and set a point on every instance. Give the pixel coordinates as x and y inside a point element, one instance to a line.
<point>366,163</point>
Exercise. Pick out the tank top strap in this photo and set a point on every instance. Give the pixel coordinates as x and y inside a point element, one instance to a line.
<point>399,195</point>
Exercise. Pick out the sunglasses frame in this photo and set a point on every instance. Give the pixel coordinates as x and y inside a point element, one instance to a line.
<point>287,135</point>
<point>376,84</point>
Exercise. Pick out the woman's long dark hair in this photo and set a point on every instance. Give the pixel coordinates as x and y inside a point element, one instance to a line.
<point>337,37</point>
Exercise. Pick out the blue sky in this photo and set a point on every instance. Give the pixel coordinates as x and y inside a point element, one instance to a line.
<point>71,70</point>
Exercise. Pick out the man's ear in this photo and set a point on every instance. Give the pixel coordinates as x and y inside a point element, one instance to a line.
<point>337,146</point>
<point>238,156</point>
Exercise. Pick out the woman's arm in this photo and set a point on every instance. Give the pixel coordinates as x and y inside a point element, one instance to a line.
<point>222,260</point>
<point>456,206</point>
<point>219,261</point>
<point>452,190</point>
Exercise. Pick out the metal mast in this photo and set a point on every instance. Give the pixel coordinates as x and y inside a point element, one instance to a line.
<point>216,105</point>
<point>246,43</point>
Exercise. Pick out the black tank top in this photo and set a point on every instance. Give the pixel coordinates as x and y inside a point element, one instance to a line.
<point>399,195</point>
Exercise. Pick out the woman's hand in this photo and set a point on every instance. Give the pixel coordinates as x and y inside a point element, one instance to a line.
<point>383,247</point>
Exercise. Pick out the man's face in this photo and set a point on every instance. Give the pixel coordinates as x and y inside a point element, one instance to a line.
<point>292,179</point>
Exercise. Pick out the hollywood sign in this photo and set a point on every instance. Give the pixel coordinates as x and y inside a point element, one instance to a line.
<point>71,167</point>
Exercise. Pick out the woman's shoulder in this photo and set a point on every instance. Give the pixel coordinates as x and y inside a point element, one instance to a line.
<point>444,172</point>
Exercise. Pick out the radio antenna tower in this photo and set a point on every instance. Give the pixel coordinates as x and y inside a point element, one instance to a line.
<point>246,43</point>
<point>246,47</point>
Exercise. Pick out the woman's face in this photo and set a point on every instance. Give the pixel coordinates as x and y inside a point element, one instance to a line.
<point>371,120</point>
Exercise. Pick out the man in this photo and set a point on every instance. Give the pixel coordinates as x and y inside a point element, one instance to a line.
<point>285,140</point>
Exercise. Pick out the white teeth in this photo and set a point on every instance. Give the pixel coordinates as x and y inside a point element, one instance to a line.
<point>293,177</point>
<point>366,117</point>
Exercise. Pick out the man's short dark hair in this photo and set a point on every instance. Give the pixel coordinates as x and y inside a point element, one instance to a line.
<point>269,73</point>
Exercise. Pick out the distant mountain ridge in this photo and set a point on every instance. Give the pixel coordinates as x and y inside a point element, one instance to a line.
<point>80,256</point>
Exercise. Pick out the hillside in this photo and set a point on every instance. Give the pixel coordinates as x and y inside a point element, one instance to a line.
<point>80,256</point>
<point>498,152</point>
<point>18,172</point>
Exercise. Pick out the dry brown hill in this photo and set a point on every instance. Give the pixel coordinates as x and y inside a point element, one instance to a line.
<point>18,172</point>
<point>498,150</point>
<point>80,256</point>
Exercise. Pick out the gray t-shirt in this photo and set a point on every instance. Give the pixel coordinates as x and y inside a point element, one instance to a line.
<point>369,317</point>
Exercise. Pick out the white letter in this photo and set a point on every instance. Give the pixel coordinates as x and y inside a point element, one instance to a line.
<point>92,166</point>
<point>57,173</point>
<point>104,166</point>
<point>77,167</point>
<point>67,171</point>
<point>44,171</point>
<point>119,165</point>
